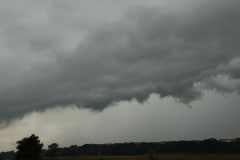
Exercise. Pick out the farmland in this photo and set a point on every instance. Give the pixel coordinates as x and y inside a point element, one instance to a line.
<point>159,157</point>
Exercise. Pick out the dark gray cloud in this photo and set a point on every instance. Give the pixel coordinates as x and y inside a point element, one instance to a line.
<point>64,54</point>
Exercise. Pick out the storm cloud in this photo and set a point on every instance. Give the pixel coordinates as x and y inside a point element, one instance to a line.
<point>59,53</point>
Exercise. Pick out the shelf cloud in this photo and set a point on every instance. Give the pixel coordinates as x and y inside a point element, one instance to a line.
<point>64,54</point>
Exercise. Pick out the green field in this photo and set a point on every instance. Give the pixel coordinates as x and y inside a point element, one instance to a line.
<point>160,157</point>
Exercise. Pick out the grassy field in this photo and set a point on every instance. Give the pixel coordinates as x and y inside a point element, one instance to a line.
<point>160,157</point>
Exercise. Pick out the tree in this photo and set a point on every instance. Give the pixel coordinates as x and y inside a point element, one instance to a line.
<point>52,149</point>
<point>29,148</point>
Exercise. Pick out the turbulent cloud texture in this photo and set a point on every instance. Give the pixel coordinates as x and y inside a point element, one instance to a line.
<point>92,54</point>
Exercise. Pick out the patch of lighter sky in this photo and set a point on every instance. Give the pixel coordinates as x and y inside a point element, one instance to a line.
<point>216,115</point>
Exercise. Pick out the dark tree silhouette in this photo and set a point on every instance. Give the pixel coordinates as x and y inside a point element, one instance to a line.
<point>29,148</point>
<point>52,149</point>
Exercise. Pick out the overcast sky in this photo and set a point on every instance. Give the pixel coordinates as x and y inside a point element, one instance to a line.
<point>90,71</point>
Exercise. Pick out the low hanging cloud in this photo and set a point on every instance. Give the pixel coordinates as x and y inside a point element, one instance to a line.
<point>65,55</point>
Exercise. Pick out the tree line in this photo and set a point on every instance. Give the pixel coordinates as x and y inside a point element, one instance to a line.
<point>31,148</point>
